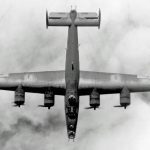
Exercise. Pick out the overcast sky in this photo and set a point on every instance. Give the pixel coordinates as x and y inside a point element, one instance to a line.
<point>122,45</point>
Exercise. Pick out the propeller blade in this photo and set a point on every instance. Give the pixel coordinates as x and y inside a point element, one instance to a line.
<point>44,106</point>
<point>121,106</point>
<point>118,106</point>
<point>41,106</point>
<point>91,107</point>
<point>15,105</point>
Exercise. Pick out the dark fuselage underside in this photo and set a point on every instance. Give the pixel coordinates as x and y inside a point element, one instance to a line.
<point>72,78</point>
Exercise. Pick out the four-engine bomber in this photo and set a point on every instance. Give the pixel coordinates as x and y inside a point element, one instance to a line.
<point>72,82</point>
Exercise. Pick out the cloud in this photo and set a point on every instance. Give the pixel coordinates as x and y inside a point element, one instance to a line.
<point>24,124</point>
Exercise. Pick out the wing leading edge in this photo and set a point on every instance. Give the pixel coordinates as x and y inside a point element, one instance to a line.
<point>35,82</point>
<point>105,83</point>
<point>109,83</point>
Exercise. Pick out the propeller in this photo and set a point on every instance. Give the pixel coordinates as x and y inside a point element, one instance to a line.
<point>91,107</point>
<point>125,106</point>
<point>44,106</point>
<point>16,105</point>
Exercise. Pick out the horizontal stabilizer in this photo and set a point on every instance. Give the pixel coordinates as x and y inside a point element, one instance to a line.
<point>64,19</point>
<point>57,19</point>
<point>88,19</point>
<point>59,15</point>
<point>88,15</point>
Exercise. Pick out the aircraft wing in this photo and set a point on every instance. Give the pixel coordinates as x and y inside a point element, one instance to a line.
<point>109,83</point>
<point>35,82</point>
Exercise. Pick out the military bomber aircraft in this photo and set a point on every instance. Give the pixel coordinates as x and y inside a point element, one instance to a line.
<point>72,82</point>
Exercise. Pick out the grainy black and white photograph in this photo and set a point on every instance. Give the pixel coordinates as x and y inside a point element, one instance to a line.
<point>74,75</point>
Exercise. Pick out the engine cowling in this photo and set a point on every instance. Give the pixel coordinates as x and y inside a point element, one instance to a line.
<point>94,99</point>
<point>49,99</point>
<point>125,97</point>
<point>19,96</point>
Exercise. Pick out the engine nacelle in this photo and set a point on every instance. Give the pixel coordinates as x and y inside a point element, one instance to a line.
<point>94,99</point>
<point>125,97</point>
<point>19,96</point>
<point>49,99</point>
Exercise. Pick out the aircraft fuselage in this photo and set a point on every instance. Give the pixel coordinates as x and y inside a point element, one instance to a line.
<point>72,78</point>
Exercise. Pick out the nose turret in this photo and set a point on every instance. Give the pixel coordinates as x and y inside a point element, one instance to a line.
<point>72,100</point>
